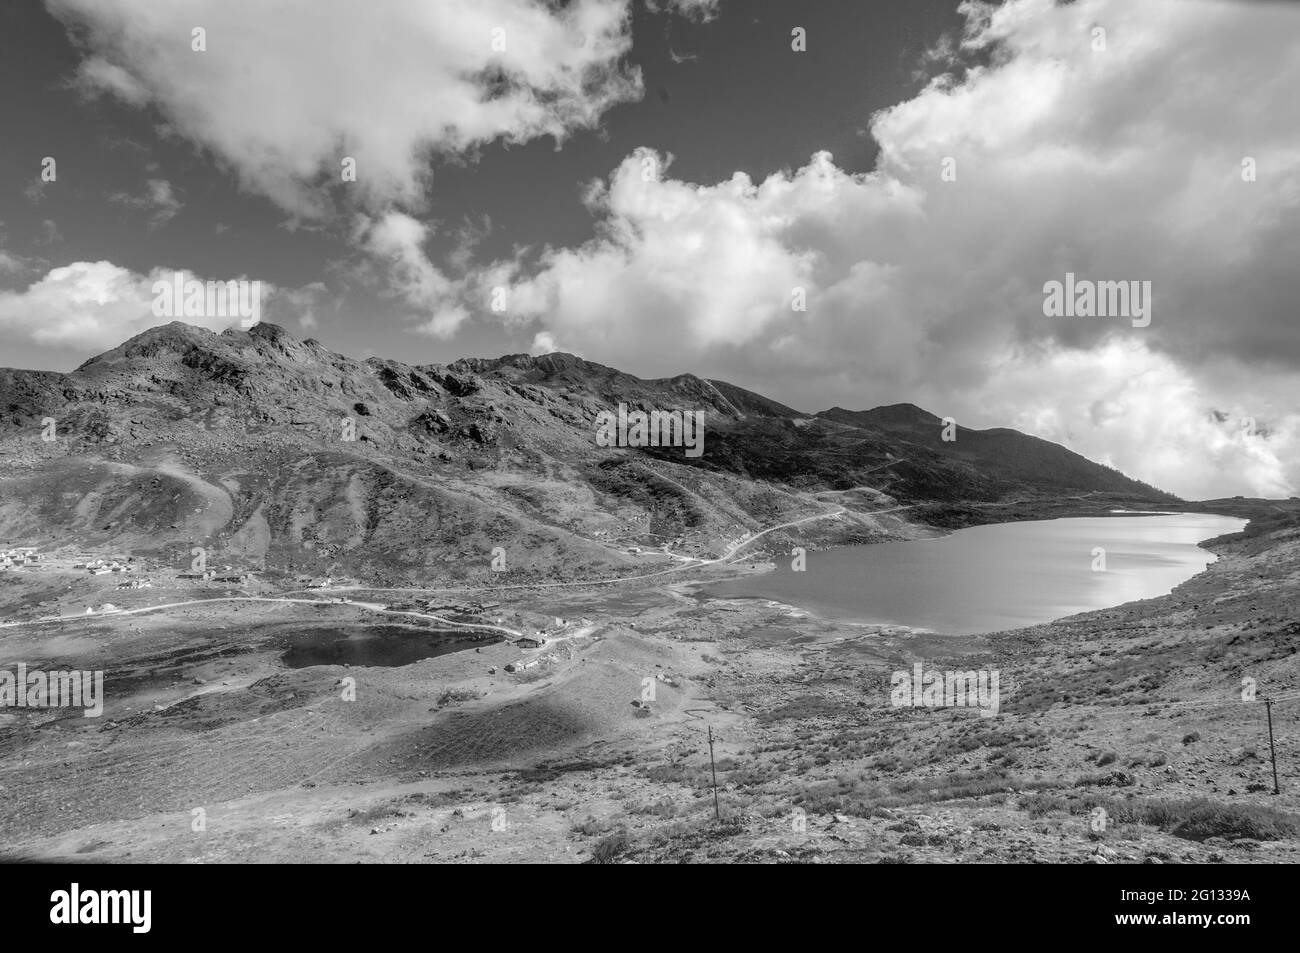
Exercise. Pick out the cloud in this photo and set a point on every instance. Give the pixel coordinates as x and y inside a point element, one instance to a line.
<point>1141,412</point>
<point>702,10</point>
<point>11,263</point>
<point>96,305</point>
<point>1115,163</point>
<point>158,199</point>
<point>268,99</point>
<point>14,266</point>
<point>84,304</point>
<point>544,343</point>
<point>300,304</point>
<point>1115,160</point>
<point>394,243</point>
<point>97,75</point>
<point>268,96</point>
<point>709,262</point>
<point>50,233</point>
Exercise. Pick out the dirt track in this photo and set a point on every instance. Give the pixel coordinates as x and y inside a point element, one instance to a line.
<point>444,760</point>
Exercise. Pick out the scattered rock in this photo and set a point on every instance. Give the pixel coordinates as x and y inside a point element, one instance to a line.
<point>1116,779</point>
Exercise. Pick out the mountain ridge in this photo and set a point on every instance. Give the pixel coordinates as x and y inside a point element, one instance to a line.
<point>381,468</point>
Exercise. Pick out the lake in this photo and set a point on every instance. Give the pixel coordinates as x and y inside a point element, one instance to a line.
<point>376,645</point>
<point>1001,576</point>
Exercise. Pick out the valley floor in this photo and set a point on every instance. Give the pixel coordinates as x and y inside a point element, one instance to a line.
<point>213,751</point>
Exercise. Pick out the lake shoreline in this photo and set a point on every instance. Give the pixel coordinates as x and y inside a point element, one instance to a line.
<point>828,605</point>
<point>1133,706</point>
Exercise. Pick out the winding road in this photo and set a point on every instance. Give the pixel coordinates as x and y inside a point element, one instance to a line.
<point>728,554</point>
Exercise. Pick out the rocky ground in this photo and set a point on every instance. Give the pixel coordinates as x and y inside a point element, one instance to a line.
<point>211,750</point>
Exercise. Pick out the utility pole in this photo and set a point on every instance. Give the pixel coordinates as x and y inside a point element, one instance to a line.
<point>1268,706</point>
<point>717,814</point>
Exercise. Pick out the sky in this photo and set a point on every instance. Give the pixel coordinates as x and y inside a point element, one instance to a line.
<point>830,202</point>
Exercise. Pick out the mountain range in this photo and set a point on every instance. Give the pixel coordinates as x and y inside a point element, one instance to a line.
<point>287,457</point>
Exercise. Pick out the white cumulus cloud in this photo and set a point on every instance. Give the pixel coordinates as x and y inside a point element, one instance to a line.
<point>283,91</point>
<point>1114,160</point>
<point>96,305</point>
